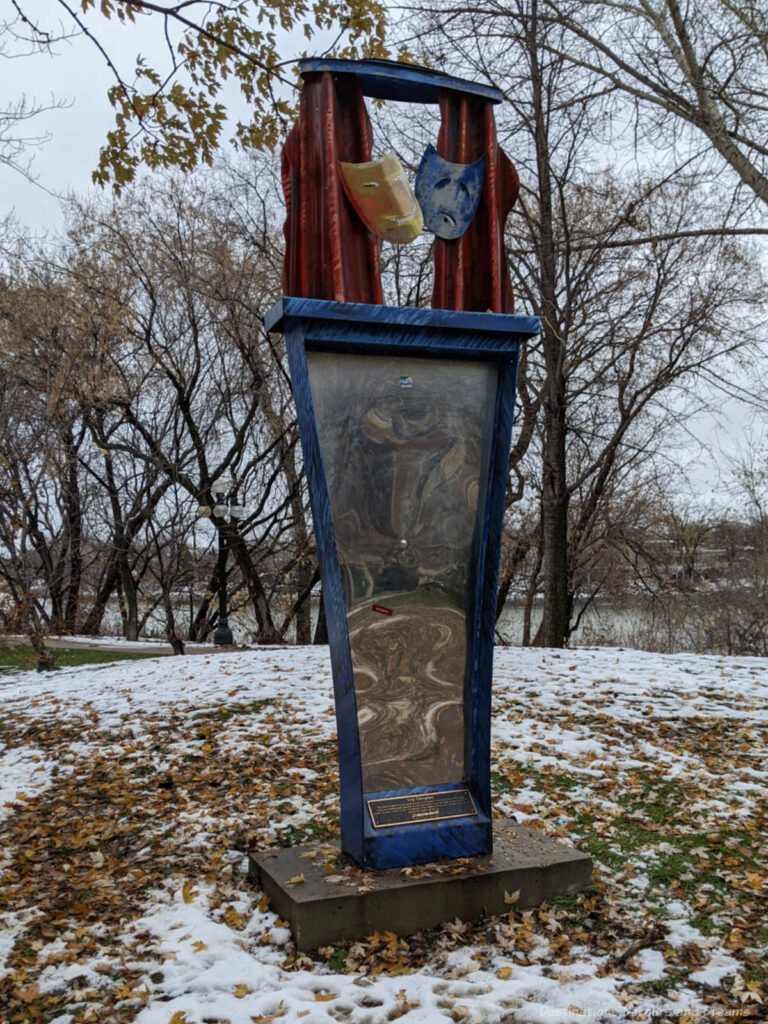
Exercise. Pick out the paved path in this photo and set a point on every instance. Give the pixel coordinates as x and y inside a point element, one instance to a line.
<point>84,643</point>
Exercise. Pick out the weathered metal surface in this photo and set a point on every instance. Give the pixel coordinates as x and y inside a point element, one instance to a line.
<point>391,80</point>
<point>405,468</point>
<point>329,253</point>
<point>463,333</point>
<point>471,272</point>
<point>449,194</point>
<point>414,809</point>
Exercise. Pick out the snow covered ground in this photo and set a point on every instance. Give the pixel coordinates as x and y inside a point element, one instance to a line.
<point>130,793</point>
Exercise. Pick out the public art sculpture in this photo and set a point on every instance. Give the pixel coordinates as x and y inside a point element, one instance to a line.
<point>405,417</point>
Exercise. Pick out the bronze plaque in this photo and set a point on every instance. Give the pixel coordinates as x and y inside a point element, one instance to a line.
<point>417,807</point>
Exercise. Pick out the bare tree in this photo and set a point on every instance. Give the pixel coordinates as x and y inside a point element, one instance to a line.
<point>701,65</point>
<point>201,393</point>
<point>634,305</point>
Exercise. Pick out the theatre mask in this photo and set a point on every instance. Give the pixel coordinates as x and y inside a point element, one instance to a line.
<point>383,199</point>
<point>449,194</point>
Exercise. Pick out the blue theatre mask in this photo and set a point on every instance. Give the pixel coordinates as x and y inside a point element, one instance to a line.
<point>449,194</point>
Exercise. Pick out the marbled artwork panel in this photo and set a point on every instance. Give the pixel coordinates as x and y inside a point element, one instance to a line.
<point>405,444</point>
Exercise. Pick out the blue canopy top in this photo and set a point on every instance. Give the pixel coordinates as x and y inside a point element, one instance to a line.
<point>390,80</point>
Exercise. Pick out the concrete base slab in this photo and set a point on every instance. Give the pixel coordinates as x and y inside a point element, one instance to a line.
<point>326,899</point>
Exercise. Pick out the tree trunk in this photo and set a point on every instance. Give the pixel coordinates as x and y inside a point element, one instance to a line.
<point>74,519</point>
<point>304,575</point>
<point>321,628</point>
<point>508,573</point>
<point>130,606</point>
<point>202,623</point>
<point>554,628</point>
<point>553,631</point>
<point>267,633</point>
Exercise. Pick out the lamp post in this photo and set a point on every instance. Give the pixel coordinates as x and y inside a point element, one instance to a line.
<point>224,507</point>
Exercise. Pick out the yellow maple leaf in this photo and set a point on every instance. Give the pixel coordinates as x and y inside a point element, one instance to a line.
<point>398,968</point>
<point>199,946</point>
<point>179,1018</point>
<point>296,880</point>
<point>233,919</point>
<point>188,892</point>
<point>503,972</point>
<point>240,991</point>
<point>263,903</point>
<point>324,997</point>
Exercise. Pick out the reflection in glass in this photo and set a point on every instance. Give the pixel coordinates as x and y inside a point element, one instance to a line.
<point>405,444</point>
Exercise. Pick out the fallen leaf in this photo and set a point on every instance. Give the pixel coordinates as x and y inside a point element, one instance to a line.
<point>233,919</point>
<point>29,994</point>
<point>188,892</point>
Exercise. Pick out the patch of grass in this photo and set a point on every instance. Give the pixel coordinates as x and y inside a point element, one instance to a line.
<point>661,986</point>
<point>584,910</point>
<point>573,900</point>
<point>305,835</point>
<point>224,712</point>
<point>708,927</point>
<point>565,781</point>
<point>515,777</point>
<point>660,799</point>
<point>21,657</point>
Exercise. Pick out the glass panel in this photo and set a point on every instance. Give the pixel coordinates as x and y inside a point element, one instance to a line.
<point>405,443</point>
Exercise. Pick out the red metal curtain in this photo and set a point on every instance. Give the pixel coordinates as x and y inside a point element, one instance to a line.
<point>329,254</point>
<point>471,272</point>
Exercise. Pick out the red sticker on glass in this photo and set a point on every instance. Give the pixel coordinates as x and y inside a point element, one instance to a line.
<point>381,609</point>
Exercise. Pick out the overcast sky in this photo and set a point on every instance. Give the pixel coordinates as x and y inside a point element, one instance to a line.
<point>77,76</point>
<point>72,75</point>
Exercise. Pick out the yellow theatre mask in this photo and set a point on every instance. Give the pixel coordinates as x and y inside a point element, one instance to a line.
<point>383,199</point>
